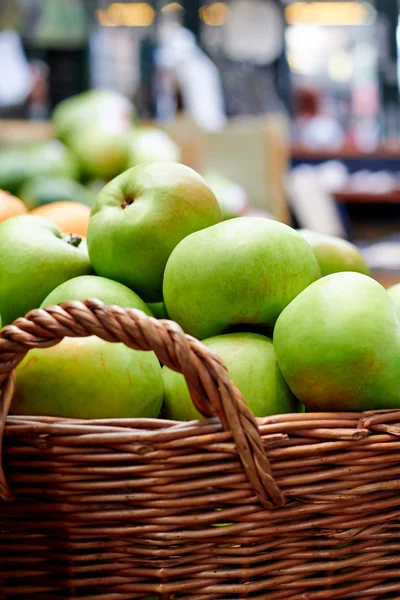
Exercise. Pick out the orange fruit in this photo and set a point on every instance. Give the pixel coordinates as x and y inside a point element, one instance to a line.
<point>70,217</point>
<point>10,206</point>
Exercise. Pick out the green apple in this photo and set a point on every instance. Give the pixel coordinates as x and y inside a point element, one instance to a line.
<point>251,363</point>
<point>36,258</point>
<point>242,271</point>
<point>94,107</point>
<point>394,293</point>
<point>88,378</point>
<point>102,152</point>
<point>20,163</point>
<point>231,197</point>
<point>42,190</point>
<point>338,345</point>
<point>158,309</point>
<point>335,254</point>
<point>90,286</point>
<point>138,219</point>
<point>149,145</point>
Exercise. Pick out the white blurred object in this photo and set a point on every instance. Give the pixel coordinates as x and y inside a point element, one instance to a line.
<point>312,205</point>
<point>333,175</point>
<point>382,182</point>
<point>114,59</point>
<point>359,181</point>
<point>16,78</point>
<point>384,255</point>
<point>254,32</point>
<point>196,74</point>
<point>322,131</point>
<point>379,182</point>
<point>366,134</point>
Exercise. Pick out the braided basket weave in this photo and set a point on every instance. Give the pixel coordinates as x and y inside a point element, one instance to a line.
<point>292,507</point>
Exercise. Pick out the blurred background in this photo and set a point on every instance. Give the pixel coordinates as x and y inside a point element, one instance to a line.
<point>289,109</point>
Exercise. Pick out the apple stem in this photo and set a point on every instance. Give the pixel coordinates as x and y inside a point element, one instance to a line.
<point>73,239</point>
<point>127,202</point>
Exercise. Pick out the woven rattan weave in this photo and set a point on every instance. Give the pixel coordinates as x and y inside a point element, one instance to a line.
<point>291,507</point>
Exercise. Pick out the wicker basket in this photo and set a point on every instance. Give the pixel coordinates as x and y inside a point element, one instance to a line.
<point>293,507</point>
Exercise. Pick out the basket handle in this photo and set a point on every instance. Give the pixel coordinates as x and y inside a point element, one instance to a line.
<point>207,378</point>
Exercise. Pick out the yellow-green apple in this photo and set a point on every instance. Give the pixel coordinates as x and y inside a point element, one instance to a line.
<point>88,378</point>
<point>94,107</point>
<point>149,145</point>
<point>87,287</point>
<point>36,258</point>
<point>394,293</point>
<point>241,271</point>
<point>335,254</point>
<point>251,363</point>
<point>140,216</point>
<point>338,345</point>
<point>101,151</point>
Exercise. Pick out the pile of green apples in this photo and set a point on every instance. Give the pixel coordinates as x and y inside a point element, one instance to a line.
<point>96,137</point>
<point>294,315</point>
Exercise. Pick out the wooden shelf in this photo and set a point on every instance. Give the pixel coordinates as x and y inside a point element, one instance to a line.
<point>384,152</point>
<point>25,131</point>
<point>354,197</point>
